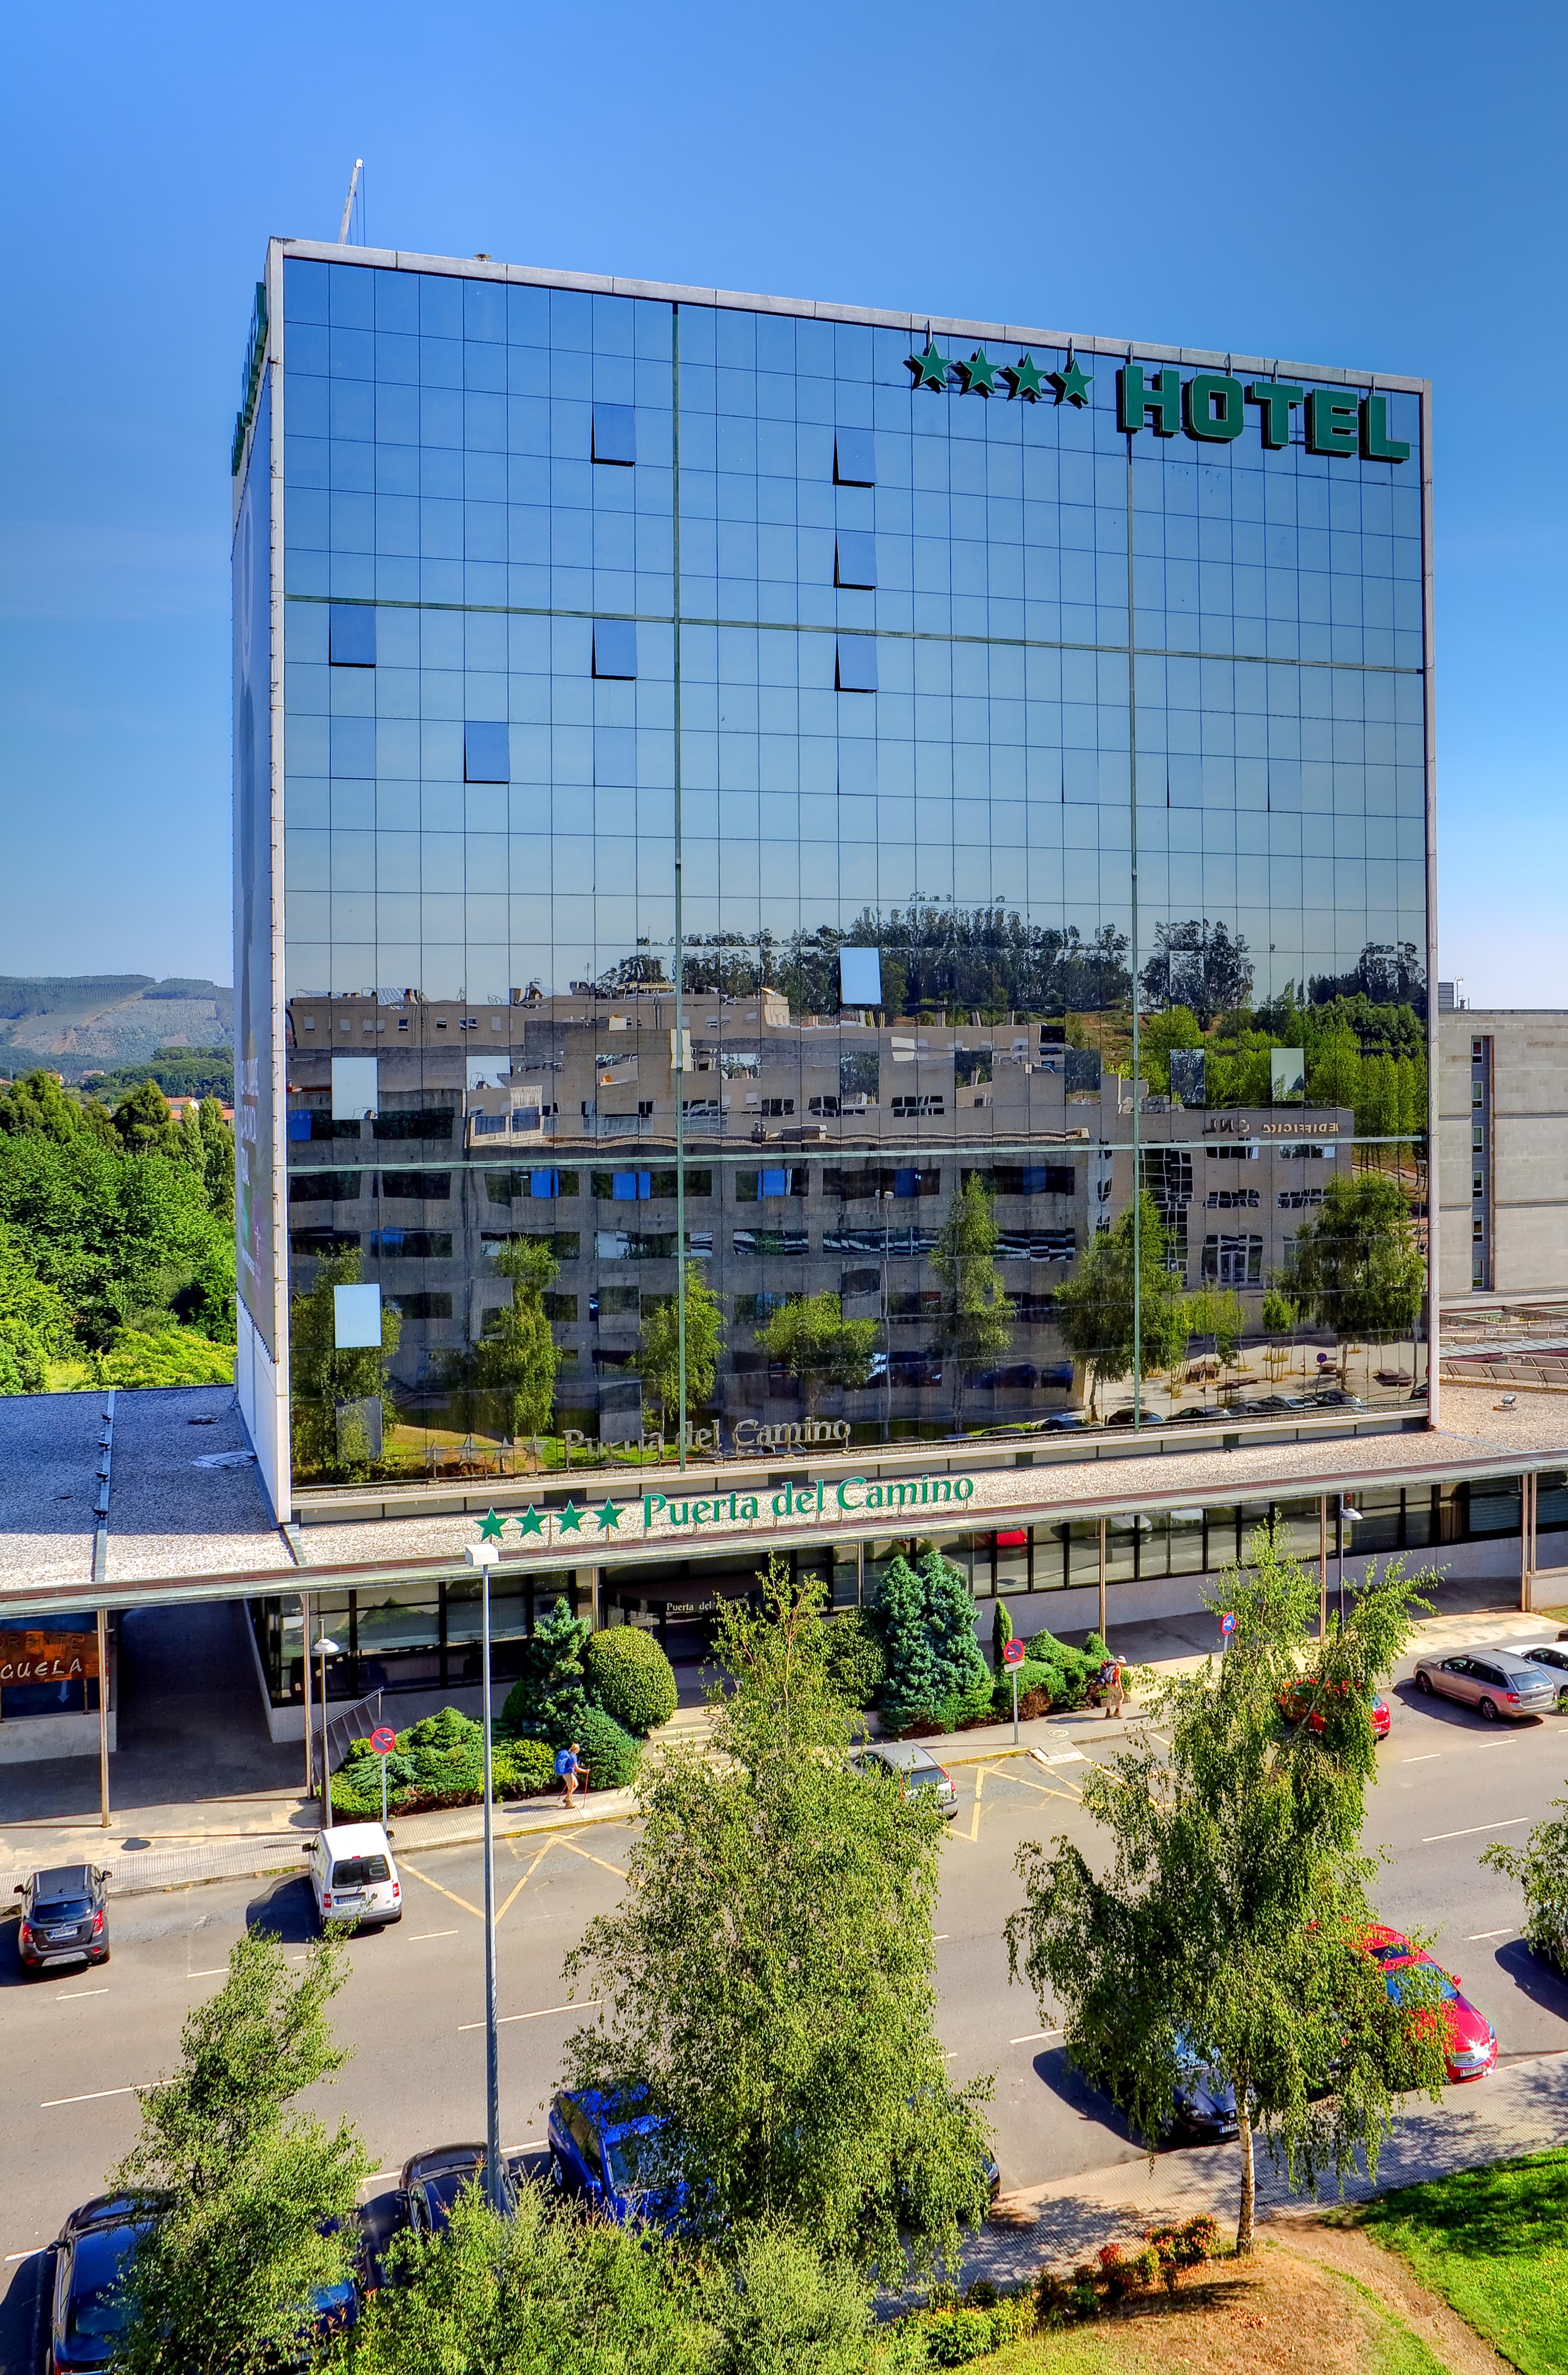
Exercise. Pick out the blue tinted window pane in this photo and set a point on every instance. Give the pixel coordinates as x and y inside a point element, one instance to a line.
<point>856,559</point>
<point>487,753</point>
<point>353,635</point>
<point>855,457</point>
<point>304,291</point>
<point>615,432</point>
<point>858,664</point>
<point>615,647</point>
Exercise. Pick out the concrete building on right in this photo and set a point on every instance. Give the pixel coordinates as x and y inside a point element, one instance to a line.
<point>1503,1142</point>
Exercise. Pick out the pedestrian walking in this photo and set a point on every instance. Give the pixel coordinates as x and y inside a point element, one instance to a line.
<point>567,1770</point>
<point>1110,1686</point>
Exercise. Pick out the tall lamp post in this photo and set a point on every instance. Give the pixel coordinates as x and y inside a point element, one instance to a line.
<point>1347,1517</point>
<point>326,1649</point>
<point>484,1555</point>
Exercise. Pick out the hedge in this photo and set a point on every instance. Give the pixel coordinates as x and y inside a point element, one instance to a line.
<point>628,1674</point>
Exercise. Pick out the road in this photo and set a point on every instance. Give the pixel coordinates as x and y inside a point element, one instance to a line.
<point>412,2011</point>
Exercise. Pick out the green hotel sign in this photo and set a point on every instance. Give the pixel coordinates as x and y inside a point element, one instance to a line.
<point>1211,407</point>
<point>659,1514</point>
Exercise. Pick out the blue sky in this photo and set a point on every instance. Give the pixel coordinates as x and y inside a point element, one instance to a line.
<point>1329,184</point>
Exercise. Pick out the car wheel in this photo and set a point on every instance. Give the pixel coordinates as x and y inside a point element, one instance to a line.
<point>101,1959</point>
<point>1489,1710</point>
<point>1424,1682</point>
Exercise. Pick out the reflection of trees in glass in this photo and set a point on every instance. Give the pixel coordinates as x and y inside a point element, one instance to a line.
<point>324,1377</point>
<point>976,1323</point>
<point>659,1346</point>
<point>517,1354</point>
<point>1280,1313</point>
<point>985,959</point>
<point>811,1337</point>
<point>1386,973</point>
<point>1094,1309</point>
<point>1216,1311</point>
<point>1355,1265</point>
<point>1197,965</point>
<point>1177,1027</point>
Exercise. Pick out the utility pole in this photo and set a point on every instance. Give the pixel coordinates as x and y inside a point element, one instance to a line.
<point>484,1555</point>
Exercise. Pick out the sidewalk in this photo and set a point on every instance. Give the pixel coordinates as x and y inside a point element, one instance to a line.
<point>1522,2108</point>
<point>170,1843</point>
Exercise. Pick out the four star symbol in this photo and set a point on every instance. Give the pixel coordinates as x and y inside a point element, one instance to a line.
<point>532,1522</point>
<point>571,1517</point>
<point>930,368</point>
<point>1073,385</point>
<point>1024,378</point>
<point>608,1516</point>
<point>978,375</point>
<point>492,1527</point>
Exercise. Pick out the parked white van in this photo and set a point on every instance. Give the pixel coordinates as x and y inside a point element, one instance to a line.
<point>353,1877</point>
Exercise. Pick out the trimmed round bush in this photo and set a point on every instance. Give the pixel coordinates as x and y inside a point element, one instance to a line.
<point>609,1751</point>
<point>857,1663</point>
<point>522,1768</point>
<point>629,1676</point>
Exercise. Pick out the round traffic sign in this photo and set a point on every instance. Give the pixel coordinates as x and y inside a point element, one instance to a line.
<point>1012,1653</point>
<point>1228,1622</point>
<point>383,1740</point>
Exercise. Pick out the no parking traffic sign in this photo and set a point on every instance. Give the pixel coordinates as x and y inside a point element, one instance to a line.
<point>383,1740</point>
<point>1012,1653</point>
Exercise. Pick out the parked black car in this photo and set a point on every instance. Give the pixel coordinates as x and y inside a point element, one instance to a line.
<point>65,1917</point>
<point>90,2255</point>
<point>432,2182</point>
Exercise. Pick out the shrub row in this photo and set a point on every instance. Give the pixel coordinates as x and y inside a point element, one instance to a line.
<point>955,2328</point>
<point>1051,1675</point>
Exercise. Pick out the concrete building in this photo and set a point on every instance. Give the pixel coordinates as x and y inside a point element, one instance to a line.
<point>1503,1151</point>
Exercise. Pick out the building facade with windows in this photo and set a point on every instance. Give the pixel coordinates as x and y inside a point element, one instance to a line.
<point>877,872</point>
<point>1503,1106</point>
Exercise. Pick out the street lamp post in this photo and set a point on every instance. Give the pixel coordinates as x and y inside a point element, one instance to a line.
<point>1347,1517</point>
<point>484,1555</point>
<point>326,1650</point>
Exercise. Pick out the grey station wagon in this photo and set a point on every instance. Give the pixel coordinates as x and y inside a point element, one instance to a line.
<point>1495,1682</point>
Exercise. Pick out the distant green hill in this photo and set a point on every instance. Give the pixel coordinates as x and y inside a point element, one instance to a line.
<point>73,1023</point>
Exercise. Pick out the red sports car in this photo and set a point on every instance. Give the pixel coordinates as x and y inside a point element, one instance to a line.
<point>1470,2041</point>
<point>1297,1702</point>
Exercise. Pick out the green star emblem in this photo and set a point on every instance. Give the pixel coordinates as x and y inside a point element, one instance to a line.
<point>492,1527</point>
<point>978,375</point>
<point>532,1522</point>
<point>930,368</point>
<point>1024,378</point>
<point>571,1519</point>
<point>608,1516</point>
<point>1072,385</point>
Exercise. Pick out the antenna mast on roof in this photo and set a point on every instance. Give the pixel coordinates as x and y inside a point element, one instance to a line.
<point>349,201</point>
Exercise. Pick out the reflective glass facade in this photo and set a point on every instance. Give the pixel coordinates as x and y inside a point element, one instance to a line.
<point>839,802</point>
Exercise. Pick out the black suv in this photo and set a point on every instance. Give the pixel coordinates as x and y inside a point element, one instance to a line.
<point>65,1917</point>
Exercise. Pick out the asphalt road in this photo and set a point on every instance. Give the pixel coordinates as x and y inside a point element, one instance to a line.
<point>79,2043</point>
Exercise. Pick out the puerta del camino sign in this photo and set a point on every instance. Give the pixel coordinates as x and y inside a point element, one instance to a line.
<point>663,1516</point>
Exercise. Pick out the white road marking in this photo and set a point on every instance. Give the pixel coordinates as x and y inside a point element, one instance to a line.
<point>1476,1935</point>
<point>1512,1823</point>
<point>216,1972</point>
<point>74,1995</point>
<point>420,1936</point>
<point>940,1936</point>
<point>1037,2037</point>
<point>57,2102</point>
<point>1425,1758</point>
<point>543,2013</point>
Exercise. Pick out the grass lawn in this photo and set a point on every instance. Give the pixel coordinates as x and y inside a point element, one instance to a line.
<point>1493,2243</point>
<point>1274,2315</point>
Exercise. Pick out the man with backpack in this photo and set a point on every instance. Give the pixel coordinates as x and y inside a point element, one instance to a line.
<point>1109,1681</point>
<point>567,1770</point>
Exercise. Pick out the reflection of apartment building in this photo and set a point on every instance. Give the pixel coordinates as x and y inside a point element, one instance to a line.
<point>1233,1187</point>
<point>1502,1176</point>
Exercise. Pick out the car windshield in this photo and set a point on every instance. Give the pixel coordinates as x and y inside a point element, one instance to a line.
<point>1443,1988</point>
<point>62,1909</point>
<point>632,2158</point>
<point>98,2310</point>
<point>360,1872</point>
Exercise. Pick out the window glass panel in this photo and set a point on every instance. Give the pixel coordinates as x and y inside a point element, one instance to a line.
<point>615,647</point>
<point>487,753</point>
<point>856,558</point>
<point>353,635</point>
<point>855,457</point>
<point>858,664</point>
<point>614,434</point>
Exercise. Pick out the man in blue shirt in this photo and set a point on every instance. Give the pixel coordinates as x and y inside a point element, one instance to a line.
<point>567,1770</point>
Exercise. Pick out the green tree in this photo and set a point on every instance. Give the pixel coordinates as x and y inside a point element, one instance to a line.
<point>145,1124</point>
<point>217,1158</point>
<point>659,1347</point>
<point>1177,1027</point>
<point>935,1672</point>
<point>242,2183</point>
<point>769,1973</point>
<point>37,1107</point>
<point>1334,1070</point>
<point>518,1355</point>
<point>331,1385</point>
<point>1094,1308</point>
<point>1224,1902</point>
<point>547,2291</point>
<point>1217,1311</point>
<point>976,1323</point>
<point>128,1241</point>
<point>35,1321</point>
<point>1540,1867</point>
<point>550,1700</point>
<point>1355,1266</point>
<point>778,2308</point>
<point>810,1337</point>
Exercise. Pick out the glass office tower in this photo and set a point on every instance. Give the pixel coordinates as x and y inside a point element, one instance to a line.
<point>863,880</point>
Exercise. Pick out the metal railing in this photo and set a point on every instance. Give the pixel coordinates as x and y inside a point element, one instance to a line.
<point>356,1722</point>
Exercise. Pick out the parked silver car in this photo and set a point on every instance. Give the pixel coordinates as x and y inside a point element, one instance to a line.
<point>1555,1659</point>
<point>916,1770</point>
<point>1495,1682</point>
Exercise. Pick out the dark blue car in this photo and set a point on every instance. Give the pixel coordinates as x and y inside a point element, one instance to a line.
<point>605,2150</point>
